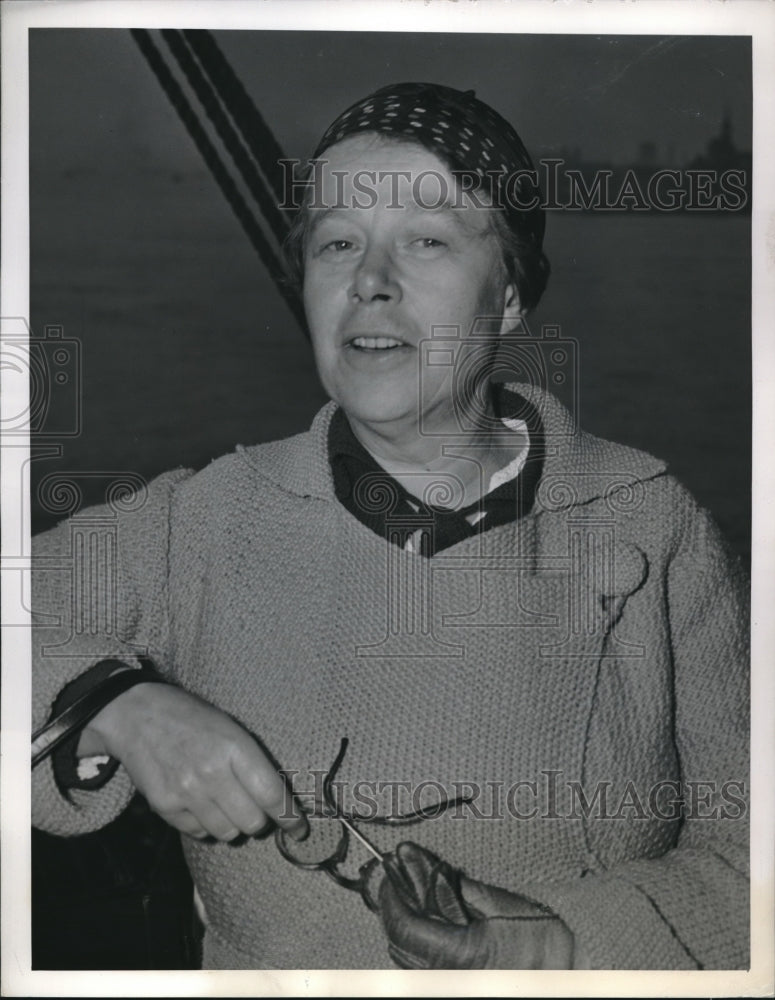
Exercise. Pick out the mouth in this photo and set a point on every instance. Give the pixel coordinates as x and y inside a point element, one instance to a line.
<point>375,343</point>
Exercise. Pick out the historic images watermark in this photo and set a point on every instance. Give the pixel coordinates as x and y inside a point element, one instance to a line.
<point>549,795</point>
<point>553,186</point>
<point>45,385</point>
<point>50,368</point>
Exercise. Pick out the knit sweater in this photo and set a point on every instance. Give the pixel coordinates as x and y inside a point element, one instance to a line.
<point>577,671</point>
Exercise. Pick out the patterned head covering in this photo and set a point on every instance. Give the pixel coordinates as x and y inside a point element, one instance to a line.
<point>473,140</point>
<point>465,133</point>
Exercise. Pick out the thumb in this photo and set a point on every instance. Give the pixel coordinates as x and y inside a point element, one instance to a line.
<point>431,885</point>
<point>410,869</point>
<point>416,941</point>
<point>484,901</point>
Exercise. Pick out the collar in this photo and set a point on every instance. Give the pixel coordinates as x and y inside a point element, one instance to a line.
<point>407,519</point>
<point>578,467</point>
<point>345,450</point>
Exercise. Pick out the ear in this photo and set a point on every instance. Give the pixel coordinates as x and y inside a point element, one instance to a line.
<point>512,309</point>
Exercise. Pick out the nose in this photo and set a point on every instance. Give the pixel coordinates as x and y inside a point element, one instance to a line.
<point>375,278</point>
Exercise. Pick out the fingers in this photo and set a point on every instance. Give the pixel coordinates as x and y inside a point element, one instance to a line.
<point>219,807</point>
<point>187,823</point>
<point>242,811</point>
<point>223,797</point>
<point>187,756</point>
<point>207,821</point>
<point>491,901</point>
<point>427,883</point>
<point>216,822</point>
<point>410,872</point>
<point>418,942</point>
<point>264,785</point>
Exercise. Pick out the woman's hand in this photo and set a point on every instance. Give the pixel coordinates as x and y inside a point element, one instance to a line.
<point>436,918</point>
<point>199,769</point>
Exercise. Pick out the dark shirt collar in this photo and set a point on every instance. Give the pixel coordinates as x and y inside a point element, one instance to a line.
<point>381,503</point>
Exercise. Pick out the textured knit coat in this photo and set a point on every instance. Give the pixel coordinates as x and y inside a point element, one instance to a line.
<point>578,671</point>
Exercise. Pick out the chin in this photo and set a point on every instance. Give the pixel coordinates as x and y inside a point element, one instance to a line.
<point>373,410</point>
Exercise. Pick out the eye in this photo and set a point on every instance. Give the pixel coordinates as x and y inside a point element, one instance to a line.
<point>337,246</point>
<point>428,243</point>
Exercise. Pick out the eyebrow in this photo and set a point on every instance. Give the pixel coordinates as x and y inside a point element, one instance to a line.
<point>445,209</point>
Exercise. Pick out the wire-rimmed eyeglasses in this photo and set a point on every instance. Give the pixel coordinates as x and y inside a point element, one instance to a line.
<point>327,845</point>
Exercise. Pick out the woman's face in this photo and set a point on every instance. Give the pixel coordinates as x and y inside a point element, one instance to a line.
<point>385,269</point>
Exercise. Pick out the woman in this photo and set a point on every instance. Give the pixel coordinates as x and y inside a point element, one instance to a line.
<point>533,640</point>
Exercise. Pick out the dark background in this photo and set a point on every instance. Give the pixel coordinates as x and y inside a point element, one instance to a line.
<point>186,348</point>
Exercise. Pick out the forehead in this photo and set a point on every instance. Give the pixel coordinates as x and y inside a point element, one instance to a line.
<point>372,171</point>
<point>375,150</point>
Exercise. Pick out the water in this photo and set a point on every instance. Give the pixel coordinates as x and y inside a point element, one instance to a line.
<point>188,349</point>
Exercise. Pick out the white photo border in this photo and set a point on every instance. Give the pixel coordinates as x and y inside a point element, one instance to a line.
<point>692,17</point>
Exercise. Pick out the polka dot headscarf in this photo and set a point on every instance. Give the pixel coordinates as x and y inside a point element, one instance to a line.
<point>464,132</point>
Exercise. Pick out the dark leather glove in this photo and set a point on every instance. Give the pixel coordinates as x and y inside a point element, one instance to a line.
<point>436,918</point>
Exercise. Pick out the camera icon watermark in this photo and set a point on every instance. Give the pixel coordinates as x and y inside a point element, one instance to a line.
<point>42,381</point>
<point>470,363</point>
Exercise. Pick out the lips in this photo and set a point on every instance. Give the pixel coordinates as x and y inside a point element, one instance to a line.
<point>375,342</point>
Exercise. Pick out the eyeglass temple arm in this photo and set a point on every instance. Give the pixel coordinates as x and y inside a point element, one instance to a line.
<point>404,819</point>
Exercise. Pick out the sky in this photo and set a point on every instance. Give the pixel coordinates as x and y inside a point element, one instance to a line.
<point>601,94</point>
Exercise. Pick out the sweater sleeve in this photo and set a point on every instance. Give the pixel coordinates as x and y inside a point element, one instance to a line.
<point>688,909</point>
<point>99,591</point>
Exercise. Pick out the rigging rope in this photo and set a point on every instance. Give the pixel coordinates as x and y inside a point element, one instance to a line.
<point>255,131</point>
<point>267,202</point>
<point>218,169</point>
